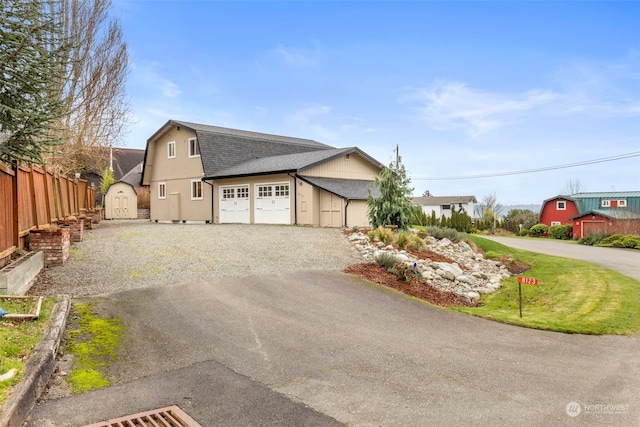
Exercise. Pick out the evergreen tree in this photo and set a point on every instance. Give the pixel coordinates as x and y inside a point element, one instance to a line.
<point>29,72</point>
<point>393,207</point>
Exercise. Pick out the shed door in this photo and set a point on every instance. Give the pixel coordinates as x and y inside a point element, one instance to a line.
<point>330,210</point>
<point>273,204</point>
<point>234,204</point>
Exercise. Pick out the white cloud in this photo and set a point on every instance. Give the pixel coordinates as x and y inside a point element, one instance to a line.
<point>146,74</point>
<point>310,118</point>
<point>297,57</point>
<point>451,105</point>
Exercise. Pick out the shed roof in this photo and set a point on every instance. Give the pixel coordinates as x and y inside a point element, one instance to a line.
<point>352,189</point>
<point>297,162</point>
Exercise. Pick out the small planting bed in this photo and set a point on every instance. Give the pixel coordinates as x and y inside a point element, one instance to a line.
<point>21,307</point>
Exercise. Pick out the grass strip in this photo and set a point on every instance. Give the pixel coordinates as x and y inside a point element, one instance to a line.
<point>18,338</point>
<point>572,297</point>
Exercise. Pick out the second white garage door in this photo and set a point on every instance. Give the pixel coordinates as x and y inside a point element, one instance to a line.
<point>273,204</point>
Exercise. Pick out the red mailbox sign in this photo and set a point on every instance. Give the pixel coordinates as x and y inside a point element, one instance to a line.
<point>527,281</point>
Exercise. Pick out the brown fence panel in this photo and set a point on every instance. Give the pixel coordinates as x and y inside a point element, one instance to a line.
<point>8,230</point>
<point>26,206</point>
<point>42,213</point>
<point>52,206</point>
<point>41,199</point>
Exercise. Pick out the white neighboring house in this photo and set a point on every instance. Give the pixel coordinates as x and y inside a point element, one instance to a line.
<point>444,205</point>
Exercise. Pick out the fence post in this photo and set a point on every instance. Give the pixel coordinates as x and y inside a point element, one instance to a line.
<point>16,221</point>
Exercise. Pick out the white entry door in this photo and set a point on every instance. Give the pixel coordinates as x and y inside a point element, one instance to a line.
<point>273,204</point>
<point>234,204</point>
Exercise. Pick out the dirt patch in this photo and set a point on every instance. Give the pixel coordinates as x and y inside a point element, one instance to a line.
<point>414,287</point>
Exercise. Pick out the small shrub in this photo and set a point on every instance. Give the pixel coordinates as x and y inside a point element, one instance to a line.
<point>440,233</point>
<point>561,232</point>
<point>382,234</point>
<point>621,241</point>
<point>539,230</point>
<point>402,239</point>
<point>524,232</point>
<point>416,243</point>
<point>386,260</point>
<point>403,271</point>
<point>592,239</point>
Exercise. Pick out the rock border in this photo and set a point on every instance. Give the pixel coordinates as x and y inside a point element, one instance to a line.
<point>469,276</point>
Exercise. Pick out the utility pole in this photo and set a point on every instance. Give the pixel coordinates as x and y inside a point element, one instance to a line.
<point>397,156</point>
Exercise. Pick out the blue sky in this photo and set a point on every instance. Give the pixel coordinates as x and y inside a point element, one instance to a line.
<point>464,88</point>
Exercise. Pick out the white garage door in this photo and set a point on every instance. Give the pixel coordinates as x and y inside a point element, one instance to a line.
<point>273,205</point>
<point>234,204</point>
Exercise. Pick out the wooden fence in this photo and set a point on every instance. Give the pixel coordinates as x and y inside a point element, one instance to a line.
<point>32,198</point>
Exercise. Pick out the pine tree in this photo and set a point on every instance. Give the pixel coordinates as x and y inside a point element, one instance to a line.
<point>29,109</point>
<point>393,207</point>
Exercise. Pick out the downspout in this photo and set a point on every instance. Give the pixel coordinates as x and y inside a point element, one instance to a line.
<point>295,199</point>
<point>345,213</point>
<point>212,198</point>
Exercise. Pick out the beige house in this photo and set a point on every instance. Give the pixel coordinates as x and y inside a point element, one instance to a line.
<point>201,173</point>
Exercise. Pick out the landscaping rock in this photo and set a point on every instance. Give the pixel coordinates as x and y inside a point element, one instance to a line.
<point>468,275</point>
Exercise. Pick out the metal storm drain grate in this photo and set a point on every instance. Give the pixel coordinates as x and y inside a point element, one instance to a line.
<point>171,416</point>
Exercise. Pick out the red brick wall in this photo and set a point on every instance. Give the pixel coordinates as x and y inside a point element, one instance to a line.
<point>54,243</point>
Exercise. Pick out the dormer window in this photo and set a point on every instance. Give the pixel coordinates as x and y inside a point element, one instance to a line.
<point>194,148</point>
<point>605,203</point>
<point>622,203</point>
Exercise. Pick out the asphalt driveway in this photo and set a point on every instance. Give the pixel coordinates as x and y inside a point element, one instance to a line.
<point>319,347</point>
<point>625,261</point>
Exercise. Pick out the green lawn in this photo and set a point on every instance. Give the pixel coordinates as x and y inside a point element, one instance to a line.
<point>17,341</point>
<point>573,296</point>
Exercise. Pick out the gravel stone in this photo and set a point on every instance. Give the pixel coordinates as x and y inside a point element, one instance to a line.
<point>127,254</point>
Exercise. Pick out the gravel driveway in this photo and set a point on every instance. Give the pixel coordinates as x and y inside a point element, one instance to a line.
<point>120,255</point>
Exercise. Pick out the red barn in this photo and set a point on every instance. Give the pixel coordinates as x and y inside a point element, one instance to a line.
<point>594,213</point>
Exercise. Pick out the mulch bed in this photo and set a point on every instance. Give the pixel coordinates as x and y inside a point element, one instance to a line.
<point>414,287</point>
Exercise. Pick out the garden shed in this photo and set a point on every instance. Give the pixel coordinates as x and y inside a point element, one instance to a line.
<point>121,201</point>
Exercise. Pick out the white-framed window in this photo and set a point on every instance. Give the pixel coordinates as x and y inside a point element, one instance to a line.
<point>561,205</point>
<point>171,149</point>
<point>555,223</point>
<point>194,148</point>
<point>162,190</point>
<point>243,192</point>
<point>196,189</point>
<point>605,203</point>
<point>282,190</point>
<point>265,191</point>
<point>228,193</point>
<point>622,203</point>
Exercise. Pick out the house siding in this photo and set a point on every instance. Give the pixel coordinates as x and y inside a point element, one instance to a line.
<point>353,168</point>
<point>550,213</point>
<point>178,174</point>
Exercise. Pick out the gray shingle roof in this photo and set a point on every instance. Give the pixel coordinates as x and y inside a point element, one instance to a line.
<point>352,189</point>
<point>296,162</point>
<point>221,148</point>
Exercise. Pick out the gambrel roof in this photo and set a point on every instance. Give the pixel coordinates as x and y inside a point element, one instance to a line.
<point>222,148</point>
